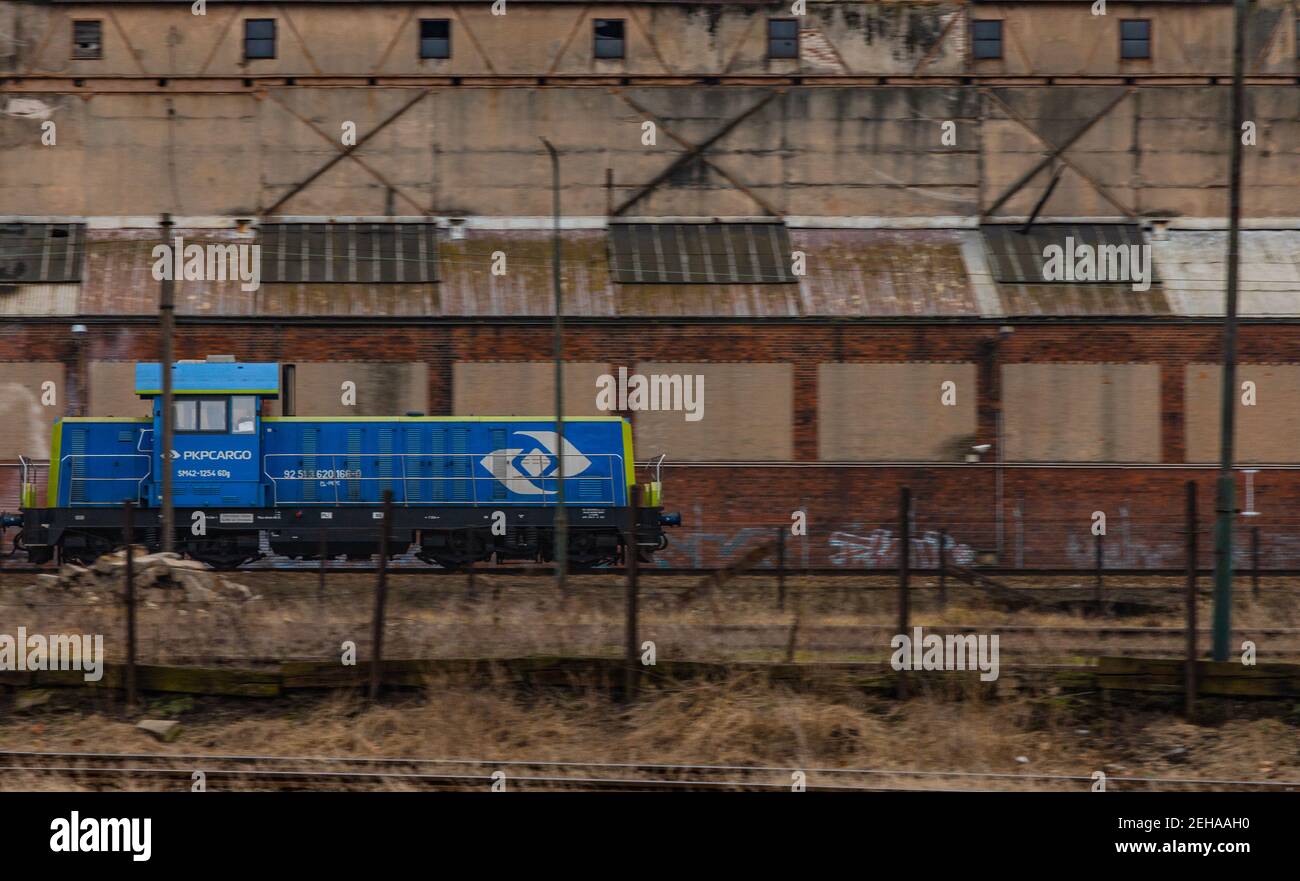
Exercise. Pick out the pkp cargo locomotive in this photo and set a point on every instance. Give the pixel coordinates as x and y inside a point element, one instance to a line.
<point>463,489</point>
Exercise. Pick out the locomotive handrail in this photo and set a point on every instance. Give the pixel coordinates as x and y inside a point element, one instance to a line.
<point>335,476</point>
<point>139,481</point>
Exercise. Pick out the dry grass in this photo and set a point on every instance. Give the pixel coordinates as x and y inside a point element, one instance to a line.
<point>840,619</point>
<point>743,721</point>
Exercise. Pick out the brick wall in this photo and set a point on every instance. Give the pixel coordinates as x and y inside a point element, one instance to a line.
<point>1045,511</point>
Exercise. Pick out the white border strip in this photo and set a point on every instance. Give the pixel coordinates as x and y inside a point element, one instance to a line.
<point>794,221</point>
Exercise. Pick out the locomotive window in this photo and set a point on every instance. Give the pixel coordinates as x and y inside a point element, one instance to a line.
<point>201,415</point>
<point>187,415</point>
<point>212,415</point>
<point>243,415</point>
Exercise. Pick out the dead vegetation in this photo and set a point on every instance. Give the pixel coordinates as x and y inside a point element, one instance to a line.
<point>745,720</point>
<point>251,617</point>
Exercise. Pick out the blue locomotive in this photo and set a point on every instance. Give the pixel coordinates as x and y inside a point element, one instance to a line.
<point>463,489</point>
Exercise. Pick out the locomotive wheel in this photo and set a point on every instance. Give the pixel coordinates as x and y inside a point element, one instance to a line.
<point>224,553</point>
<point>221,562</point>
<point>84,548</point>
<point>464,546</point>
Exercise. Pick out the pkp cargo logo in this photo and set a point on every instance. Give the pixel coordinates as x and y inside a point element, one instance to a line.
<point>213,455</point>
<point>520,468</point>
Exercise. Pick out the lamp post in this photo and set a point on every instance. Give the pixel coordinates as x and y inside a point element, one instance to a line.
<point>561,516</point>
<point>167,329</point>
<point>1223,506</point>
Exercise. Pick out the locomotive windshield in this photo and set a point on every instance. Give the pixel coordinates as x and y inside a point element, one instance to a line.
<point>243,412</point>
<point>196,415</point>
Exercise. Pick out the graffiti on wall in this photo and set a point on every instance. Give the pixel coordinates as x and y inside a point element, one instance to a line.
<point>879,549</point>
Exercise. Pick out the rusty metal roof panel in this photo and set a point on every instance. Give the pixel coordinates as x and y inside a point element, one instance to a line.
<point>119,275</point>
<point>849,272</point>
<point>884,273</point>
<point>1079,300</point>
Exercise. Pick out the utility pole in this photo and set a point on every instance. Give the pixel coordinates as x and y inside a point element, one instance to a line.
<point>167,329</point>
<point>561,516</point>
<point>1223,507</point>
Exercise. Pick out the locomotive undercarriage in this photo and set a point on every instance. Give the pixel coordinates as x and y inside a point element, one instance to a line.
<point>451,538</point>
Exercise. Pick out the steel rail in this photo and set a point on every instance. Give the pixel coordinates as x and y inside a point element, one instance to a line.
<point>693,773</point>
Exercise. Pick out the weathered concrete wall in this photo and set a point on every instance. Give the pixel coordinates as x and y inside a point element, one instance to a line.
<point>524,388</point>
<point>746,414</point>
<point>381,388</point>
<point>27,410</point>
<point>1267,429</point>
<point>540,39</point>
<point>1082,412</point>
<point>112,390</point>
<point>534,39</point>
<point>1192,38</point>
<point>132,140</point>
<point>818,151</point>
<point>895,412</point>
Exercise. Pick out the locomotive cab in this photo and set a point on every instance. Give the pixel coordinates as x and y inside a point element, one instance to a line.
<point>215,454</point>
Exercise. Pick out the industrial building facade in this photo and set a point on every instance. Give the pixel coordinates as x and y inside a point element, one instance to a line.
<point>819,208</point>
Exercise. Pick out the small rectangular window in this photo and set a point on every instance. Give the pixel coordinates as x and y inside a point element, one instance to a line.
<point>87,39</point>
<point>988,38</point>
<point>259,38</point>
<point>212,415</point>
<point>243,414</point>
<point>187,416</point>
<point>609,38</point>
<point>435,38</point>
<point>1135,38</point>
<point>201,415</point>
<point>782,38</point>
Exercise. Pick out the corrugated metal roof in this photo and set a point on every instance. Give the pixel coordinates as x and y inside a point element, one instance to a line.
<point>38,299</point>
<point>348,253</point>
<point>119,275</point>
<point>1017,259</point>
<point>1019,256</point>
<point>850,272</point>
<point>46,253</point>
<point>1194,266</point>
<point>700,253</point>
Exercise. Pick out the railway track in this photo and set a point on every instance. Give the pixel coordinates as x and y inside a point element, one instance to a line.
<point>300,773</point>
<point>413,567</point>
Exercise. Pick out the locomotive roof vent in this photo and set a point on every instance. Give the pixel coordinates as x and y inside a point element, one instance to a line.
<point>221,359</point>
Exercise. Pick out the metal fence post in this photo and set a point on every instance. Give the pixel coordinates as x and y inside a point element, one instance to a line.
<point>324,555</point>
<point>904,572</point>
<point>780,567</point>
<point>381,594</point>
<point>128,531</point>
<point>1254,561</point>
<point>1101,553</point>
<point>631,658</point>
<point>1189,668</point>
<point>943,569</point>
